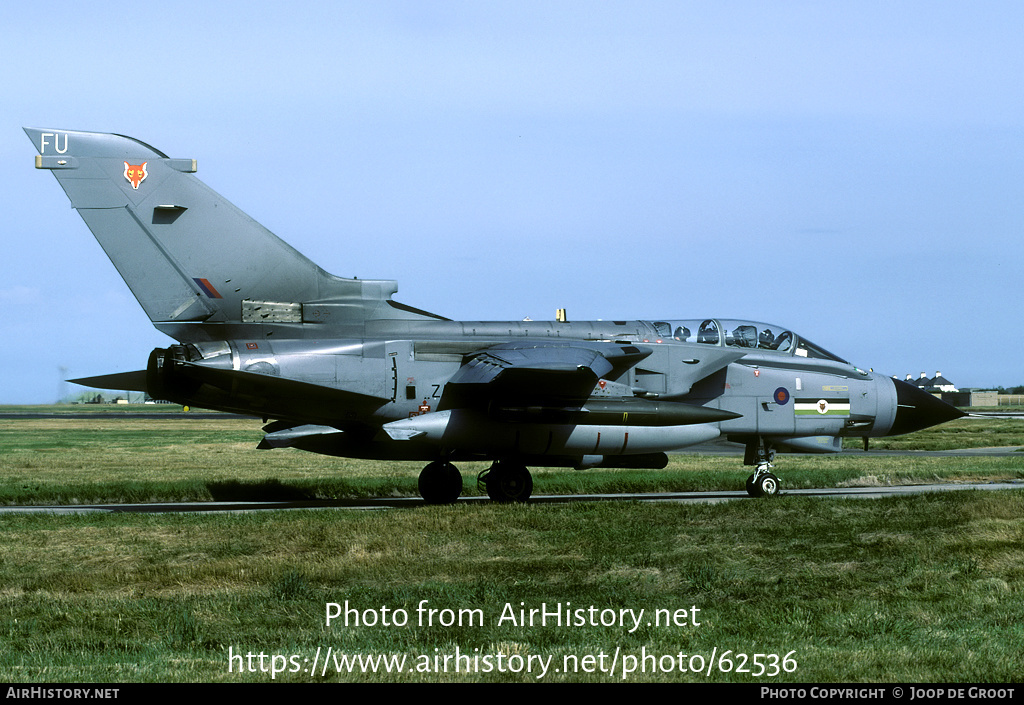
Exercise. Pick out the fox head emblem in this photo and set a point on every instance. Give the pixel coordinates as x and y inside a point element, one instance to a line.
<point>135,173</point>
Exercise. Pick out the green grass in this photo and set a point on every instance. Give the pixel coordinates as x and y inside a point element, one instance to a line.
<point>72,461</point>
<point>907,589</point>
<point>67,409</point>
<point>954,435</point>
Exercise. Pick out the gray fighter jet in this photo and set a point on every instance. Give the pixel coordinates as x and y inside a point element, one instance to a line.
<point>343,369</point>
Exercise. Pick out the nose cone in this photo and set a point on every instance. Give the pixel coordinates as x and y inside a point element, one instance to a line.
<point>917,409</point>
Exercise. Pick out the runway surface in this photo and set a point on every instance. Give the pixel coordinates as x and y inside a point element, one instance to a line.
<point>412,502</point>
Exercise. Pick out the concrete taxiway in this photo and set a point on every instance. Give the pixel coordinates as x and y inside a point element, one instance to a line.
<point>412,502</point>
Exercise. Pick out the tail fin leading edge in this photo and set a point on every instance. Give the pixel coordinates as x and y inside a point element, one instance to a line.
<point>186,253</point>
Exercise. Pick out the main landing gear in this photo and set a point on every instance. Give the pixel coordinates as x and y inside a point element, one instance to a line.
<point>440,483</point>
<point>762,483</point>
<point>505,481</point>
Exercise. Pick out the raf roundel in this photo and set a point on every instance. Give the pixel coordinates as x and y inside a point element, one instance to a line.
<point>781,396</point>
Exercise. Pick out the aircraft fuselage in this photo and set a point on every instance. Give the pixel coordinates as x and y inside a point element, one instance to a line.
<point>399,410</point>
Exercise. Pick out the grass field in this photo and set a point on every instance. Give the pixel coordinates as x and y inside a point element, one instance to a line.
<point>74,460</point>
<point>792,589</point>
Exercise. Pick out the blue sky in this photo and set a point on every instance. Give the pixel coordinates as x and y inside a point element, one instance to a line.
<point>853,171</point>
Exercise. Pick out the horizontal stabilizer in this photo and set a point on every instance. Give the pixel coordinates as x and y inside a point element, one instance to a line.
<point>121,381</point>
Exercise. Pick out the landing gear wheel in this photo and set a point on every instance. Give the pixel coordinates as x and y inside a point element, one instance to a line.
<point>762,485</point>
<point>768,485</point>
<point>440,483</point>
<point>508,482</point>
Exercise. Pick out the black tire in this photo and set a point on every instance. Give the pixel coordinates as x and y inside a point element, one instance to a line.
<point>440,483</point>
<point>751,489</point>
<point>509,482</point>
<point>768,485</point>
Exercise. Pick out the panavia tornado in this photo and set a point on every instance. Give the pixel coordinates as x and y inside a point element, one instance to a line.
<point>336,366</point>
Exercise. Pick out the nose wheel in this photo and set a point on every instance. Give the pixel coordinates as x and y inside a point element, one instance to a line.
<point>506,481</point>
<point>763,483</point>
<point>440,483</point>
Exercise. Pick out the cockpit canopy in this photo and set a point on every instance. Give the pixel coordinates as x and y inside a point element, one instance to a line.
<point>741,334</point>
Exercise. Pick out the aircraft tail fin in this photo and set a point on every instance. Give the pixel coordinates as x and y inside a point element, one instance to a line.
<point>188,255</point>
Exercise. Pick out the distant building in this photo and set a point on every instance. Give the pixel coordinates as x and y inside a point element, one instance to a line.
<point>941,384</point>
<point>934,385</point>
<point>975,397</point>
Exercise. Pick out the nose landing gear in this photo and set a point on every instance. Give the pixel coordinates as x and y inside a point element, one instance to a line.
<point>762,483</point>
